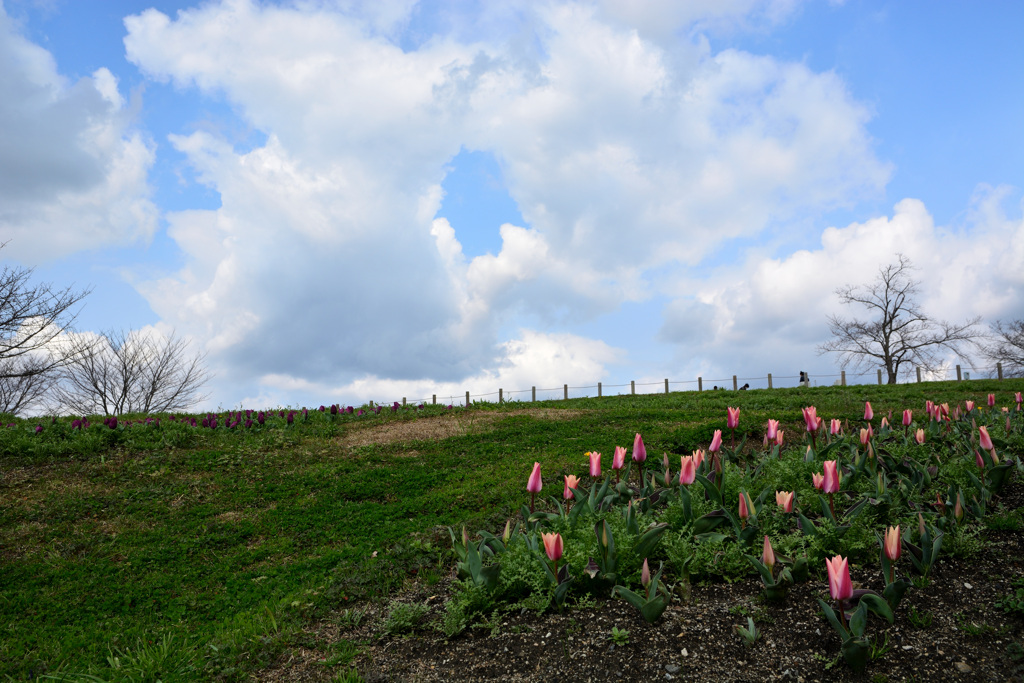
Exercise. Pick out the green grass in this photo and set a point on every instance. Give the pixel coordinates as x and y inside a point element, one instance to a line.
<point>147,552</point>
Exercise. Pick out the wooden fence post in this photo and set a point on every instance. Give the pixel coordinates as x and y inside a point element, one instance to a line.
<point>632,386</point>
<point>533,393</point>
<point>919,375</point>
<point>501,395</point>
<point>769,380</point>
<point>565,391</point>
<point>435,399</point>
<point>700,384</point>
<point>999,370</point>
<point>599,390</point>
<point>666,385</point>
<point>467,399</point>
<point>735,384</point>
<point>403,401</point>
<point>842,378</point>
<point>958,375</point>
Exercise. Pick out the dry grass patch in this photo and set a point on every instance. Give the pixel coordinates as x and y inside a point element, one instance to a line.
<point>444,426</point>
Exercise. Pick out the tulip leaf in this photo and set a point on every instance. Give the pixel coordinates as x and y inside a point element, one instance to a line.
<point>830,614</point>
<point>653,609</point>
<point>708,522</point>
<point>855,652</point>
<point>859,620</point>
<point>807,526</point>
<point>629,596</point>
<point>649,540</point>
<point>711,489</point>
<point>766,573</point>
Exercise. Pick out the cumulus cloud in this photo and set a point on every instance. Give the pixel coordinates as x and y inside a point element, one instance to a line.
<point>72,173</point>
<point>774,316</point>
<point>631,157</point>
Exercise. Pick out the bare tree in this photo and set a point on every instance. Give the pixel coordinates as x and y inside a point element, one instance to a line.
<point>1008,347</point>
<point>32,317</point>
<point>899,333</point>
<point>131,373</point>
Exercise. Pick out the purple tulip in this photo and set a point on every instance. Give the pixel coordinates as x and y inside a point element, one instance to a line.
<point>261,418</point>
<point>334,409</point>
<point>39,429</point>
<point>350,410</point>
<point>248,424</point>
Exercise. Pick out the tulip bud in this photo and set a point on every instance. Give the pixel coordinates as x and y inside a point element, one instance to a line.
<point>508,532</point>
<point>868,413</point>
<point>919,436</point>
<point>465,538</point>
<point>836,427</point>
<point>733,419</point>
<point>839,585</point>
<point>716,441</point>
<point>991,400</point>
<point>778,438</point>
<point>773,429</point>
<point>698,457</point>
<point>744,512</point>
<point>619,458</point>
<point>958,510</point>
<point>571,482</point>
<point>978,460</point>
<point>534,484</point>
<point>818,479</point>
<point>645,574</point>
<point>893,546</point>
<point>687,470</point>
<point>830,483</point>
<point>768,555</point>
<point>784,499</point>
<point>639,451</point>
<point>553,546</point>
<point>595,463</point>
<point>865,436</point>
<point>908,417</point>
<point>920,524</point>
<point>811,418</point>
<point>984,439</point>
<point>968,406</point>
<point>885,422</point>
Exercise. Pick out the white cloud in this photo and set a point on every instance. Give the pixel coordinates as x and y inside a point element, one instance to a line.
<point>631,158</point>
<point>72,174</point>
<point>770,314</point>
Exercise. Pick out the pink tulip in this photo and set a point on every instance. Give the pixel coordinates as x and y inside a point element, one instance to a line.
<point>571,482</point>
<point>687,470</point>
<point>944,410</point>
<point>639,451</point>
<point>716,441</point>
<point>958,509</point>
<point>534,484</point>
<point>595,463</point>
<point>619,458</point>
<point>865,436</point>
<point>991,400</point>
<point>553,546</point>
<point>744,512</point>
<point>784,499</point>
<point>831,482</point>
<point>984,439</point>
<point>968,406</point>
<point>868,413</point>
<point>919,437</point>
<point>885,422</point>
<point>821,423</point>
<point>733,420</point>
<point>839,585</point>
<point>811,418</point>
<point>908,417</point>
<point>978,460</point>
<point>778,438</point>
<point>645,574</point>
<point>698,457</point>
<point>768,555</point>
<point>1019,398</point>
<point>893,546</point>
<point>929,408</point>
<point>836,427</point>
<point>818,479</point>
<point>773,429</point>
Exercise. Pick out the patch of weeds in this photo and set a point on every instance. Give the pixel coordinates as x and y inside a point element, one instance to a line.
<point>749,633</point>
<point>403,617</point>
<point>1013,604</point>
<point>164,659</point>
<point>919,620</point>
<point>879,678</point>
<point>347,676</point>
<point>1005,521</point>
<point>342,653</point>
<point>921,581</point>
<point>970,628</point>
<point>963,542</point>
<point>351,618</point>
<point>879,648</point>
<point>830,662</point>
<point>619,636</point>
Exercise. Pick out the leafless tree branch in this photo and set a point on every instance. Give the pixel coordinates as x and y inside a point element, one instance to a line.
<point>899,333</point>
<point>1008,347</point>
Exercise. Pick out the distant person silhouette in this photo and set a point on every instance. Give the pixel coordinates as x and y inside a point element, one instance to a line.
<point>805,379</point>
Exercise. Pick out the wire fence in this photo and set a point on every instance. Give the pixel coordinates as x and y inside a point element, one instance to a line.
<point>733,383</point>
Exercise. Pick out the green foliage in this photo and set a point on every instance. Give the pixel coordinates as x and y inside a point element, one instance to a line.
<point>1014,603</point>
<point>403,617</point>
<point>619,636</point>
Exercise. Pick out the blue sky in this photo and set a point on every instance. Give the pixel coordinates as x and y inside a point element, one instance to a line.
<point>342,201</point>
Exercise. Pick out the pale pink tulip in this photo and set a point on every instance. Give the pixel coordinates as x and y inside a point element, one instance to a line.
<point>811,418</point>
<point>991,400</point>
<point>836,427</point>
<point>1019,398</point>
<point>778,438</point>
<point>534,485</point>
<point>978,460</point>
<point>639,452</point>
<point>818,480</point>
<point>984,439</point>
<point>733,420</point>
<point>768,555</point>
<point>619,458</point>
<point>571,482</point>
<point>716,441</point>
<point>868,413</point>
<point>968,406</point>
<point>919,436</point>
<point>595,463</point>
<point>865,436</point>
<point>831,482</point>
<point>908,417</point>
<point>784,499</point>
<point>645,574</point>
<point>773,429</point>
<point>885,422</point>
<point>893,546</point>
<point>687,470</point>
<point>698,457</point>
<point>839,585</point>
<point>553,546</point>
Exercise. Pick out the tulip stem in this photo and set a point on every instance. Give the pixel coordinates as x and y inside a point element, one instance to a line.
<point>533,496</point>
<point>831,506</point>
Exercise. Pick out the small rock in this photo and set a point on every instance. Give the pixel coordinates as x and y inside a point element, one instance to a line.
<point>672,668</point>
<point>908,647</point>
<point>685,653</point>
<point>963,667</point>
<point>968,586</point>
